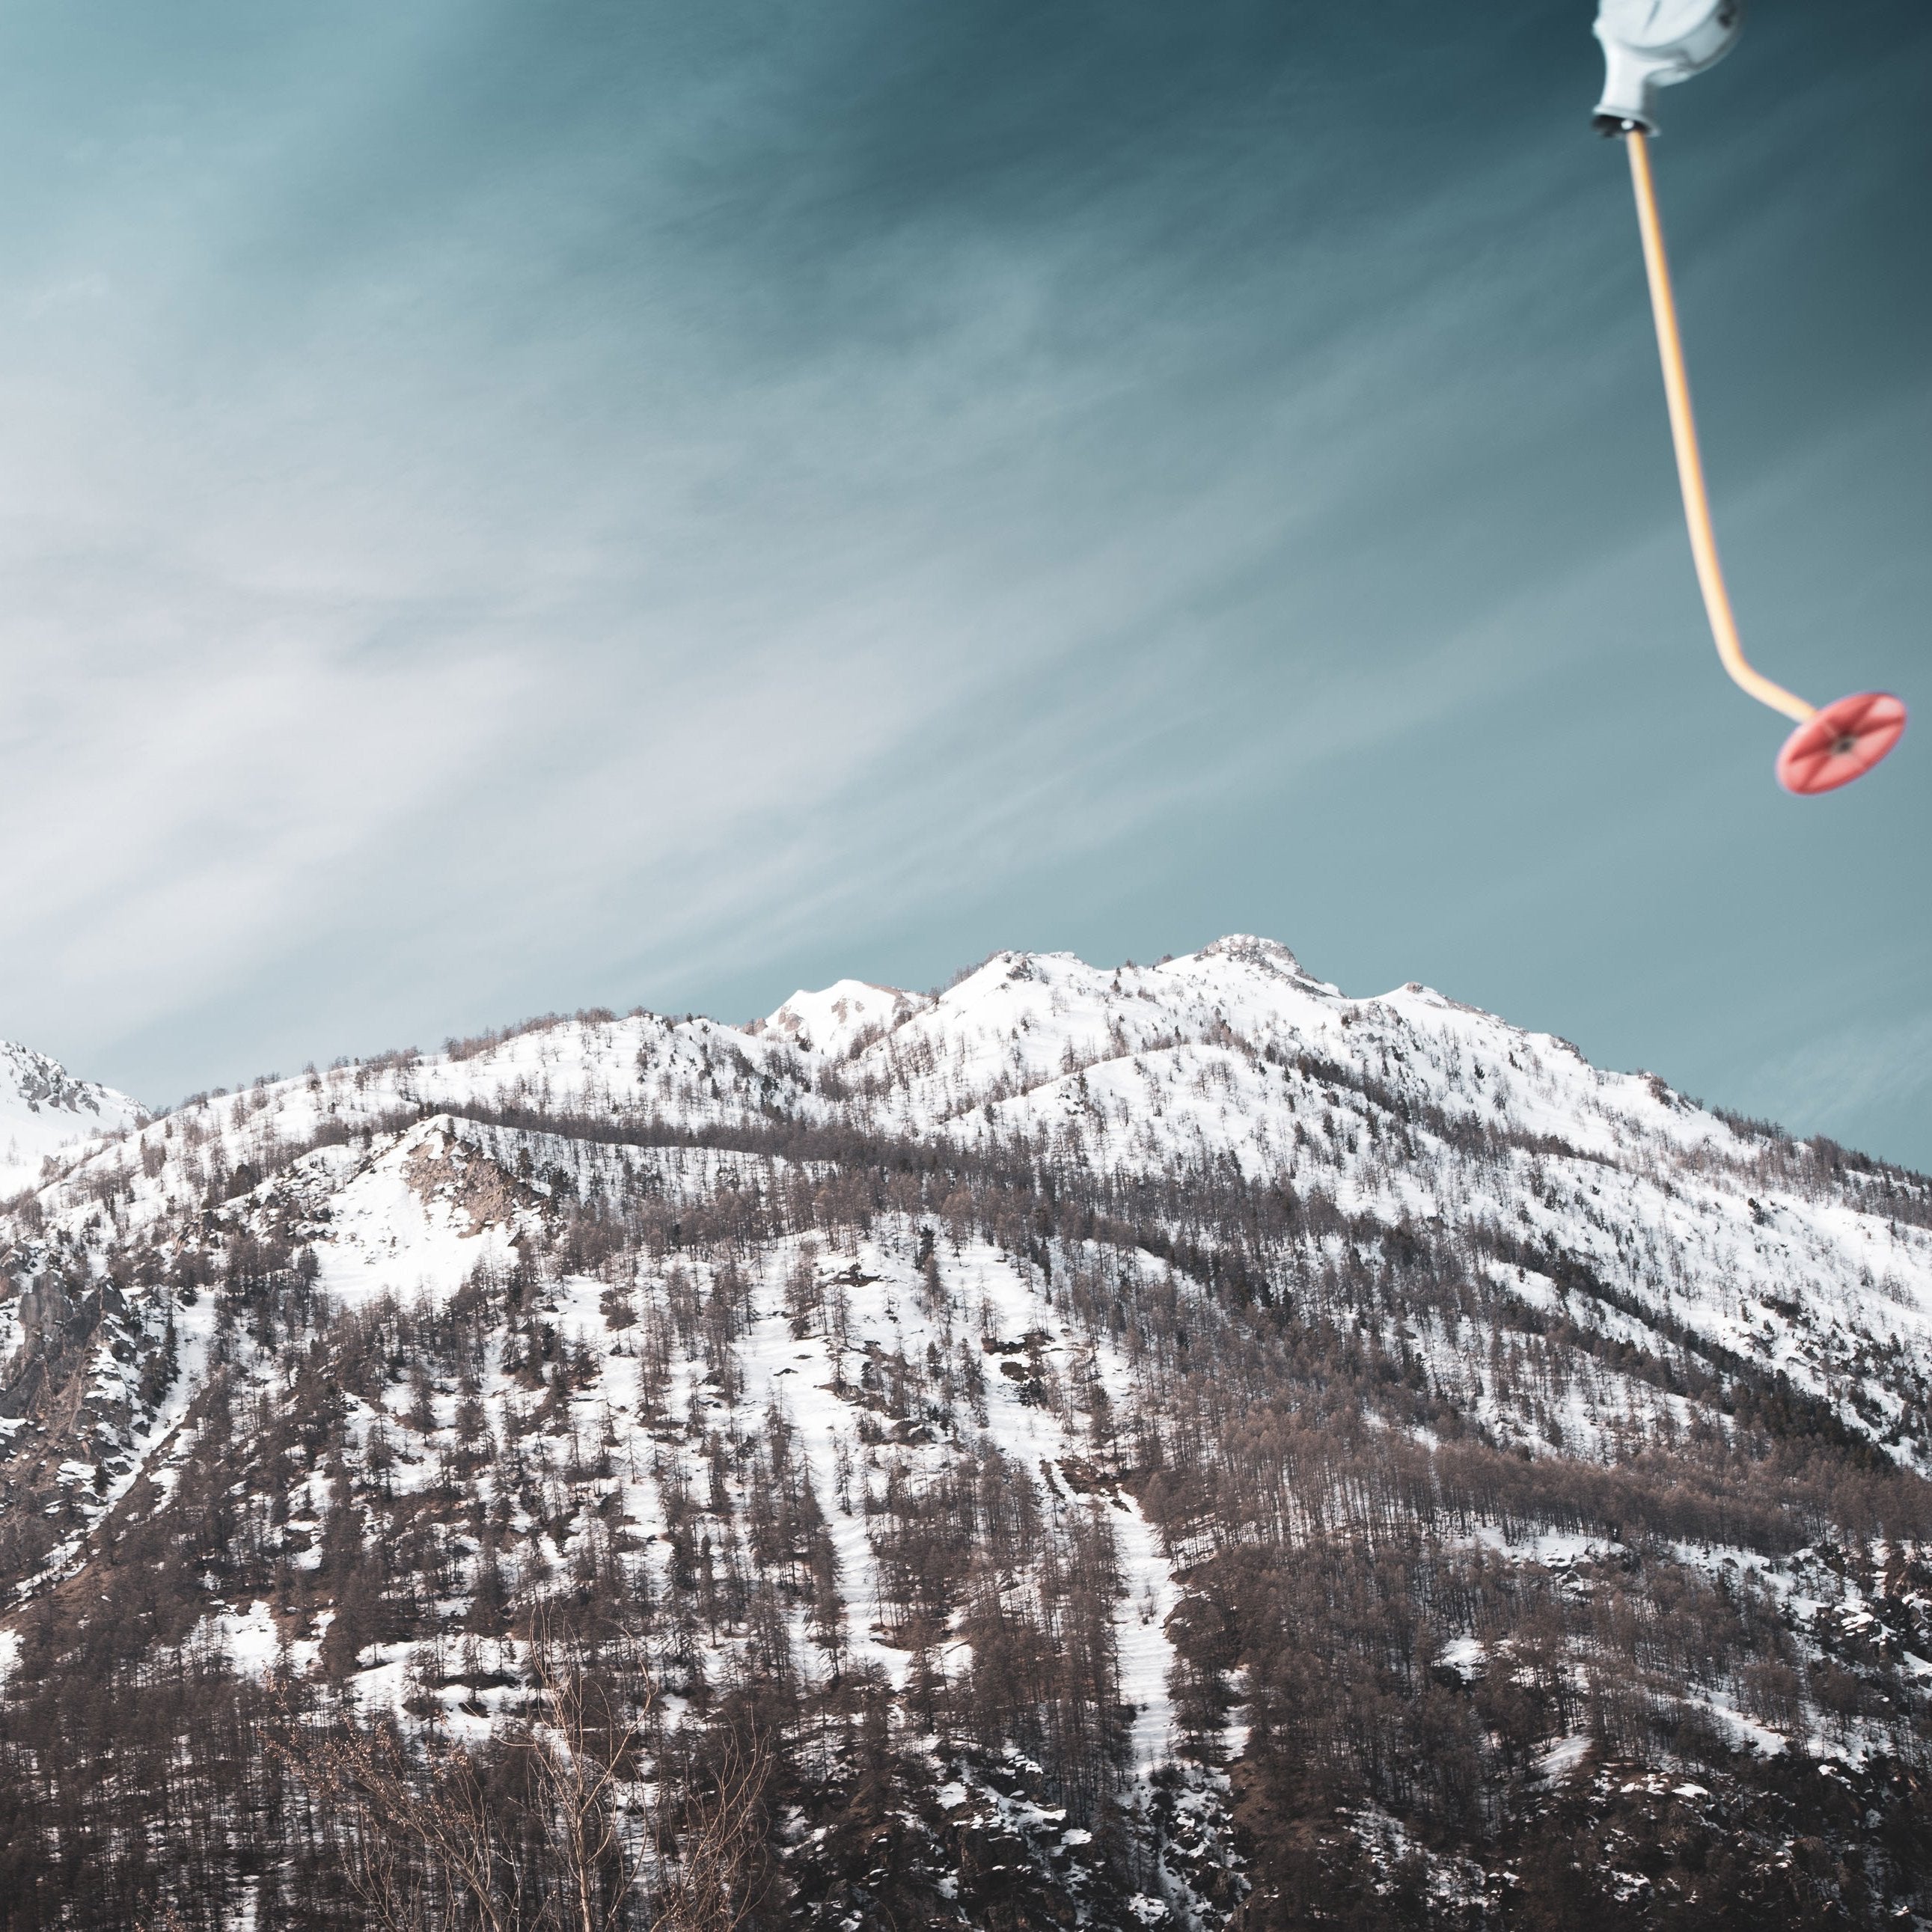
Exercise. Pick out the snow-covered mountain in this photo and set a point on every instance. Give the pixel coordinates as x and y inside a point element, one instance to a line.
<point>1161,1401</point>
<point>43,1107</point>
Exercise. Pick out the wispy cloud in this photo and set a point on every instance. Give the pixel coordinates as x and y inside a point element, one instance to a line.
<point>501,510</point>
<point>1835,1083</point>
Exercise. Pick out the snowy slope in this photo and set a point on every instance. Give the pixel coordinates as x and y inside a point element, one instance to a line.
<point>42,1107</point>
<point>1235,1055</point>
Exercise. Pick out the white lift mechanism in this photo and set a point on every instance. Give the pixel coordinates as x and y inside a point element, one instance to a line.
<point>1652,44</point>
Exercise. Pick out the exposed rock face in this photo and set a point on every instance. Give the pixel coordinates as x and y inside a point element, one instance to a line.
<point>440,1169</point>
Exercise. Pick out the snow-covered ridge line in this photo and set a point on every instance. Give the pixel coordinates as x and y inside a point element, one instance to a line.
<point>1408,1111</point>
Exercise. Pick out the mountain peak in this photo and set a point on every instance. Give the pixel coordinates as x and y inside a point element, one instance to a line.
<point>830,1020</point>
<point>43,1106</point>
<point>1252,950</point>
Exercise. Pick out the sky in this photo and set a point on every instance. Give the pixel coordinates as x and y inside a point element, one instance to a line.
<point>510,507</point>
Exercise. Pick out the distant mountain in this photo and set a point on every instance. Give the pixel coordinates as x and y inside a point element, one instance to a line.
<point>1110,1447</point>
<point>42,1107</point>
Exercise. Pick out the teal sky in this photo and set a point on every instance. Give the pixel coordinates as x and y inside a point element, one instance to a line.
<point>511,507</point>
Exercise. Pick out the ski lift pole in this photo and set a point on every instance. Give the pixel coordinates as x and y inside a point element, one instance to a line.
<point>1649,44</point>
<point>1690,460</point>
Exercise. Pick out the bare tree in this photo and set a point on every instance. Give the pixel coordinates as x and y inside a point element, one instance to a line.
<point>412,1835</point>
<point>714,1884</point>
<point>429,1840</point>
<point>580,1757</point>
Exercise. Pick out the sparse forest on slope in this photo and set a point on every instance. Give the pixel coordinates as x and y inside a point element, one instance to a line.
<point>1172,1446</point>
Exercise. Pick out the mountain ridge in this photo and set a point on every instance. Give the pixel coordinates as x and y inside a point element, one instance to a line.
<point>1212,1446</point>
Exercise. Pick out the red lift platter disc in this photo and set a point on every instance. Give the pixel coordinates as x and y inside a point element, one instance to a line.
<point>1841,743</point>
